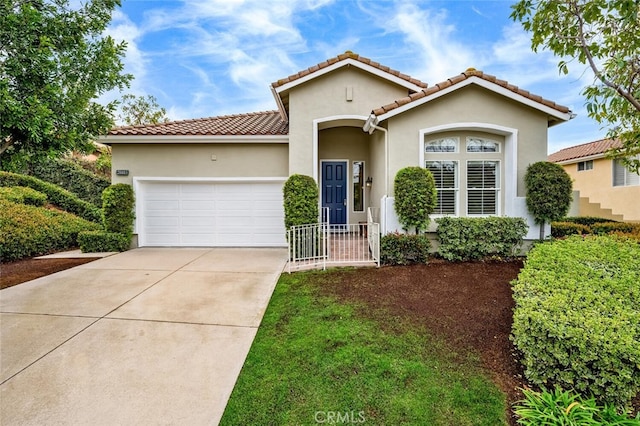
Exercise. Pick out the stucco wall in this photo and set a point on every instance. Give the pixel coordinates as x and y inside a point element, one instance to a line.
<point>195,160</point>
<point>471,104</point>
<point>597,186</point>
<point>326,97</point>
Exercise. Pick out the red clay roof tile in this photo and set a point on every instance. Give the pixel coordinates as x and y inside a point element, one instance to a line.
<point>584,150</point>
<point>265,123</point>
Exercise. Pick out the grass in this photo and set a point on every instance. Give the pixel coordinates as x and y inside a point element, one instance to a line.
<point>315,357</point>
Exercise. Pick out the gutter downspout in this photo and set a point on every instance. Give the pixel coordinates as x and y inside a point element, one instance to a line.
<point>370,126</point>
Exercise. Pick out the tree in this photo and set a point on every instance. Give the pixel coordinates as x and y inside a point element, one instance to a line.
<point>415,197</point>
<point>605,35</point>
<point>139,110</point>
<point>54,62</point>
<point>549,192</point>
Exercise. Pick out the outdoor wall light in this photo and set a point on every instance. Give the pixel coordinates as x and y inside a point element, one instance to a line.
<point>369,182</point>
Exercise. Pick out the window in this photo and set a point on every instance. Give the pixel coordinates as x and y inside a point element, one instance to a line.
<point>442,145</point>
<point>483,184</point>
<point>445,174</point>
<point>358,186</point>
<point>585,165</point>
<point>623,176</point>
<point>482,145</point>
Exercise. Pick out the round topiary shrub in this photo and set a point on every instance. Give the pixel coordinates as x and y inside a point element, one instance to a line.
<point>415,197</point>
<point>300,201</point>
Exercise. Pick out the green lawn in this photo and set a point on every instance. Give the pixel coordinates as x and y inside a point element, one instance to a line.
<point>315,359</point>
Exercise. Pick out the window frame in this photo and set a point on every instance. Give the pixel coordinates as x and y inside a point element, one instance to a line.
<point>586,165</point>
<point>362,187</point>
<point>482,140</point>
<point>497,188</point>
<point>616,163</point>
<point>455,189</point>
<point>456,147</point>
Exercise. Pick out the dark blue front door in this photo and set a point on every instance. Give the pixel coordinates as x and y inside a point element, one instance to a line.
<point>334,190</point>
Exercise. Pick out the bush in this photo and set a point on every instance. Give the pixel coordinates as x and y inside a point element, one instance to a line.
<point>577,314</point>
<point>23,195</point>
<point>72,177</point>
<point>27,231</point>
<point>403,249</point>
<point>300,201</point>
<point>549,192</point>
<point>102,241</point>
<point>560,407</point>
<point>586,220</point>
<point>463,238</point>
<point>564,229</point>
<point>57,196</point>
<point>118,204</point>
<point>415,197</point>
<point>603,228</point>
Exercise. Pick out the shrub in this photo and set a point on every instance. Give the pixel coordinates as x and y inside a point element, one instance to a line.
<point>72,177</point>
<point>102,241</point>
<point>564,229</point>
<point>403,249</point>
<point>549,192</point>
<point>415,197</point>
<point>560,407</point>
<point>300,201</point>
<point>463,238</point>
<point>577,314</point>
<point>57,196</point>
<point>27,231</point>
<point>586,220</point>
<point>117,205</point>
<point>603,228</point>
<point>23,195</point>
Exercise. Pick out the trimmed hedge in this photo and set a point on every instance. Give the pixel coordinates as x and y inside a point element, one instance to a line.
<point>564,229</point>
<point>56,195</point>
<point>300,194</point>
<point>403,249</point>
<point>27,231</point>
<point>23,195</point>
<point>102,241</point>
<point>463,238</point>
<point>117,204</point>
<point>577,314</point>
<point>609,227</point>
<point>72,177</point>
<point>586,220</point>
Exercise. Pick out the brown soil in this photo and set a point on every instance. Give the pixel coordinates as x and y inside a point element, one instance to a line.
<point>468,304</point>
<point>12,273</point>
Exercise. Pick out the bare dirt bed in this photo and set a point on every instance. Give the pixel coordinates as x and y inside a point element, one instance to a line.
<point>12,273</point>
<point>468,304</point>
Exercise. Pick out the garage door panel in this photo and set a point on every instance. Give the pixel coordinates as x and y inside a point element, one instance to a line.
<point>212,214</point>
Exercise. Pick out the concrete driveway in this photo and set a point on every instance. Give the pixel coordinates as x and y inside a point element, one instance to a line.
<point>146,337</point>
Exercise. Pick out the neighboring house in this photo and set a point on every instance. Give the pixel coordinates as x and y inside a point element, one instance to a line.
<point>605,187</point>
<point>348,120</point>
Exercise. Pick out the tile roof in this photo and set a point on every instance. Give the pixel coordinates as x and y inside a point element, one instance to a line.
<point>584,150</point>
<point>264,123</point>
<point>344,56</point>
<point>471,72</point>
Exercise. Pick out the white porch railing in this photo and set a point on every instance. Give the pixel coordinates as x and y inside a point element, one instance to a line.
<point>322,244</point>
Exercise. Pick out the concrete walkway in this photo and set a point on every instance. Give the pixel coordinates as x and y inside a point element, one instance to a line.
<point>146,337</point>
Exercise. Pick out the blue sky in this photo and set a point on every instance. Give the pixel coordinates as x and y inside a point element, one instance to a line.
<point>203,58</point>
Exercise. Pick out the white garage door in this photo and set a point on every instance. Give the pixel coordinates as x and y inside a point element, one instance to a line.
<point>229,214</point>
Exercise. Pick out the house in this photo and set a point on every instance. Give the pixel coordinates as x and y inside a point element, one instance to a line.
<point>604,186</point>
<point>350,123</point>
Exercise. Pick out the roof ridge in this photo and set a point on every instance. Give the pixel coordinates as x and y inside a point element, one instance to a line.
<point>465,75</point>
<point>342,57</point>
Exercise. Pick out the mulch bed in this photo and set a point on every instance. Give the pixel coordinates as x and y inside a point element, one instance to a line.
<point>468,304</point>
<point>12,273</point>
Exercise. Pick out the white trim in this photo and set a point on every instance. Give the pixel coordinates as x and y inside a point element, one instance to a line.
<point>363,177</point>
<point>316,139</point>
<point>178,139</point>
<point>349,62</point>
<point>510,155</point>
<point>281,108</point>
<point>348,162</point>
<point>498,189</point>
<point>487,85</point>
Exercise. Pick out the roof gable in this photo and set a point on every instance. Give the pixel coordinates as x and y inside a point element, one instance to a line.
<point>596,149</point>
<point>472,76</point>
